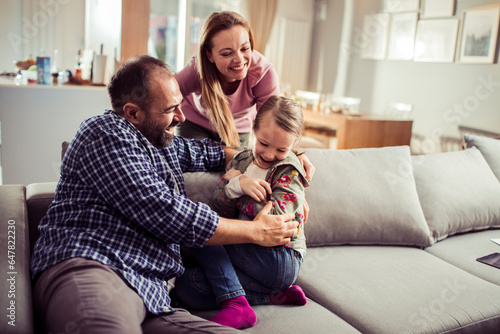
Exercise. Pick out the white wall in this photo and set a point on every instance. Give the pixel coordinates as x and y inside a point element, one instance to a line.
<point>35,121</point>
<point>444,95</point>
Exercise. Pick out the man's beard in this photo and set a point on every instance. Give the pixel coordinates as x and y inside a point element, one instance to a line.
<point>156,134</point>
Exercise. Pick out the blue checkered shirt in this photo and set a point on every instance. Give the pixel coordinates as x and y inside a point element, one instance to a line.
<point>122,202</point>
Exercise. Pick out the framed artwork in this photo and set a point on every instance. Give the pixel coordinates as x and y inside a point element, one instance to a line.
<point>478,38</point>
<point>436,40</point>
<point>438,8</point>
<point>402,30</point>
<point>375,31</point>
<point>397,6</point>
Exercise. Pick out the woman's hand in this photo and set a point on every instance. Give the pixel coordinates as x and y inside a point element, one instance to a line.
<point>308,166</point>
<point>255,188</point>
<point>230,174</point>
<point>306,211</point>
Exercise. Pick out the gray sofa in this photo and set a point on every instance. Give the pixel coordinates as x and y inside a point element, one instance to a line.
<point>392,243</point>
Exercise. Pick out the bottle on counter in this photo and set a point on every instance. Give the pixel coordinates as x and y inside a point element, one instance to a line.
<point>44,77</point>
<point>77,77</point>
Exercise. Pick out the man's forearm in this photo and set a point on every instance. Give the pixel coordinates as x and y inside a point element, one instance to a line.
<point>265,230</point>
<point>229,152</point>
<point>232,231</point>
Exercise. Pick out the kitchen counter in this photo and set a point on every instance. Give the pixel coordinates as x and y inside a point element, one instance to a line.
<point>35,120</point>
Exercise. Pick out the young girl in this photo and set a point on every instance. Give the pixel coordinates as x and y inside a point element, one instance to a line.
<point>237,276</point>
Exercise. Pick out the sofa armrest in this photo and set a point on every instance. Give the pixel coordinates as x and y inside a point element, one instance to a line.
<point>15,285</point>
<point>39,196</point>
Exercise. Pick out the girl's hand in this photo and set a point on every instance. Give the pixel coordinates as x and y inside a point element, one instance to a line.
<point>308,166</point>
<point>230,174</point>
<point>255,188</point>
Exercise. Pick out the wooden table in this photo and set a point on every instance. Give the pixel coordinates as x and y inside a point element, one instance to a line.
<point>357,131</point>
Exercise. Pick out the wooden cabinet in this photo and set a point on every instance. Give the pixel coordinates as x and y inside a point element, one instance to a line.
<point>364,130</point>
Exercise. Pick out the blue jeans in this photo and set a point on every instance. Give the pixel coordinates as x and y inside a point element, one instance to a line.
<point>237,270</point>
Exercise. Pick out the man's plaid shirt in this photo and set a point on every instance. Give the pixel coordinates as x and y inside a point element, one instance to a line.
<point>121,201</point>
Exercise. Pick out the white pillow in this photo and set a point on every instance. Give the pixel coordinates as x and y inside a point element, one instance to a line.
<point>490,149</point>
<point>364,197</point>
<point>458,192</point>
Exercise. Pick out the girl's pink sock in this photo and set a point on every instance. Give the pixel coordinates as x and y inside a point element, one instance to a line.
<point>236,313</point>
<point>291,296</point>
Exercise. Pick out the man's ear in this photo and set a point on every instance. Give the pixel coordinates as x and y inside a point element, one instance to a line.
<point>132,113</point>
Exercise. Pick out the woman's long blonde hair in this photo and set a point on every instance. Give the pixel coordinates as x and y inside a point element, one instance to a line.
<point>213,96</point>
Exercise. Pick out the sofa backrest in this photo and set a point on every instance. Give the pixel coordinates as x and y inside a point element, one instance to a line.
<point>38,199</point>
<point>373,196</point>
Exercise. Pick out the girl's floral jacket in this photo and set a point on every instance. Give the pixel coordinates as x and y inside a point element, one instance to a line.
<point>288,183</point>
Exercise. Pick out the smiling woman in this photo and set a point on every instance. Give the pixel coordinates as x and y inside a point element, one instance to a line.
<point>226,82</point>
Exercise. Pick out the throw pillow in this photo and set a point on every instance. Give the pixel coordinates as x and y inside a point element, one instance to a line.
<point>490,149</point>
<point>458,192</point>
<point>364,197</point>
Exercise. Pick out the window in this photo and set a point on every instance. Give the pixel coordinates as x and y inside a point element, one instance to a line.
<point>174,27</point>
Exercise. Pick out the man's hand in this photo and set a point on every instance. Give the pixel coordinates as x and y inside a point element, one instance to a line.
<point>274,230</point>
<point>255,188</point>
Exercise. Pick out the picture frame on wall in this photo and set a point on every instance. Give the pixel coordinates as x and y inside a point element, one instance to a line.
<point>375,32</point>
<point>438,8</point>
<point>436,40</point>
<point>398,6</point>
<point>402,29</point>
<point>478,35</point>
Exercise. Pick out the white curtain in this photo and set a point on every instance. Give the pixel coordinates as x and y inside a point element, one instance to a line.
<point>261,14</point>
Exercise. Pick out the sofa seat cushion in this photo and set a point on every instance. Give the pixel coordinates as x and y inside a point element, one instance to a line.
<point>364,197</point>
<point>390,289</point>
<point>458,192</point>
<point>462,251</point>
<point>310,318</point>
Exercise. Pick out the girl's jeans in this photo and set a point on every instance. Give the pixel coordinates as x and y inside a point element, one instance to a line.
<point>236,270</point>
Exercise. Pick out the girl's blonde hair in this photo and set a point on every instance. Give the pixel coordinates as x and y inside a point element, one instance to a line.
<point>212,94</point>
<point>286,113</point>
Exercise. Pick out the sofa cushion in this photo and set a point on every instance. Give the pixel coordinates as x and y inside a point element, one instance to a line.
<point>462,251</point>
<point>458,192</point>
<point>285,319</point>
<point>490,149</point>
<point>201,185</point>
<point>384,289</point>
<point>364,197</point>
<point>39,196</point>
